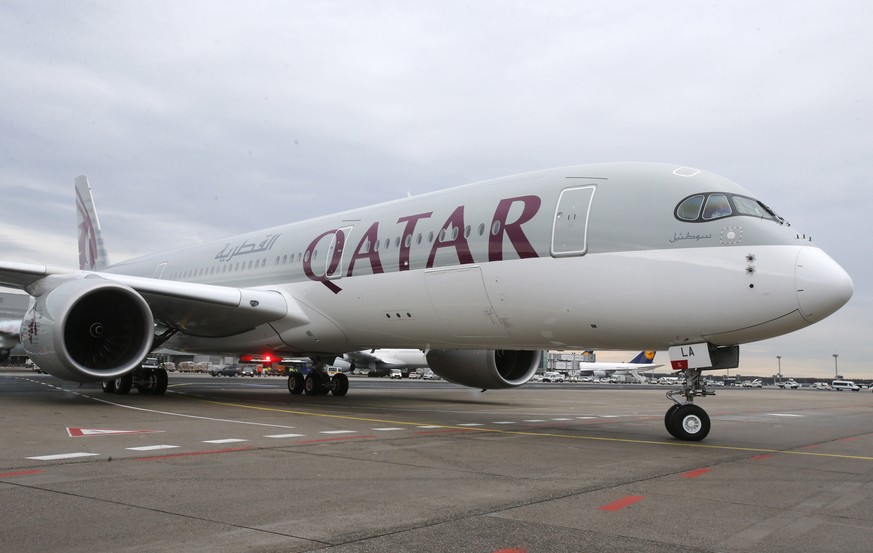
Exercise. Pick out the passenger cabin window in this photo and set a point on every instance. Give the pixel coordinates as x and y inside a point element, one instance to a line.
<point>700,208</point>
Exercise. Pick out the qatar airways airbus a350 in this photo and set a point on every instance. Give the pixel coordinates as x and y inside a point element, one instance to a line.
<point>481,277</point>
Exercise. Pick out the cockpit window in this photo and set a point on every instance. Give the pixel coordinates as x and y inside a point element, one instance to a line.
<point>715,205</point>
<point>689,209</point>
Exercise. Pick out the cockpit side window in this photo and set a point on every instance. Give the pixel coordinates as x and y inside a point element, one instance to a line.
<point>689,209</point>
<point>709,206</point>
<point>717,206</point>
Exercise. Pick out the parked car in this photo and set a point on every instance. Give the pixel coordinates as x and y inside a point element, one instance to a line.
<point>820,386</point>
<point>247,370</point>
<point>551,376</point>
<point>395,373</point>
<point>840,385</point>
<point>789,385</point>
<point>230,370</point>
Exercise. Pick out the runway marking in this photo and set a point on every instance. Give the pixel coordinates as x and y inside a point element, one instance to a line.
<point>337,439</point>
<point>278,436</point>
<point>470,424</point>
<point>620,504</point>
<point>695,445</point>
<point>152,447</point>
<point>783,415</point>
<point>426,426</point>
<point>533,420</point>
<point>695,473</point>
<point>388,429</point>
<point>224,441</point>
<point>20,473</point>
<point>79,432</point>
<point>503,422</point>
<point>338,432</point>
<point>62,456</point>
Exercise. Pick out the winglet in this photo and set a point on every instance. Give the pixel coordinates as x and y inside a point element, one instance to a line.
<point>92,252</point>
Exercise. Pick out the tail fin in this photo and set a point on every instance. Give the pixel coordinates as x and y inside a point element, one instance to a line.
<point>92,252</point>
<point>644,358</point>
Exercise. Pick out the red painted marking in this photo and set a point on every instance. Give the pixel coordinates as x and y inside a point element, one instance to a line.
<point>337,439</point>
<point>621,503</point>
<point>79,432</point>
<point>19,473</point>
<point>189,454</point>
<point>679,365</point>
<point>850,439</point>
<point>695,473</point>
<point>810,446</point>
<point>762,457</point>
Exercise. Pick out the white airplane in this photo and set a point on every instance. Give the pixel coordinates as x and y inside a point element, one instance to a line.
<point>379,362</point>
<point>642,362</point>
<point>482,277</point>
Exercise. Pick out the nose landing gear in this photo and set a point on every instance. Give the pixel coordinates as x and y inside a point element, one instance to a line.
<point>685,420</point>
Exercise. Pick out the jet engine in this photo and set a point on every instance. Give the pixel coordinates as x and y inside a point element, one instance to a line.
<point>88,330</point>
<point>485,368</point>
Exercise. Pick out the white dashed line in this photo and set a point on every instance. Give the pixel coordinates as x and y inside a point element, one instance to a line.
<point>152,447</point>
<point>389,429</point>
<point>338,432</point>
<point>470,424</point>
<point>224,441</point>
<point>503,422</point>
<point>279,436</point>
<point>62,456</point>
<point>428,426</point>
<point>535,420</point>
<point>783,415</point>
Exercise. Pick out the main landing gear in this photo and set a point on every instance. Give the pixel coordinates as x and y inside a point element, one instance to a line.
<point>146,381</point>
<point>685,420</point>
<point>318,382</point>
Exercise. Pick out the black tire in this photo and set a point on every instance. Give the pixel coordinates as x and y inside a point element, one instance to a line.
<point>295,383</point>
<point>668,419</point>
<point>312,384</point>
<point>123,384</point>
<point>339,384</point>
<point>108,386</point>
<point>690,423</point>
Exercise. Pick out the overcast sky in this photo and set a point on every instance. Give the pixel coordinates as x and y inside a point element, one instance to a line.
<point>195,120</point>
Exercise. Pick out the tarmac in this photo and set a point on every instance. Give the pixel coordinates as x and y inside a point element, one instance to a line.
<point>238,464</point>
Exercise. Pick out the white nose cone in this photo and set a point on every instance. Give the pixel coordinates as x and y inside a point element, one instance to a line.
<point>822,285</point>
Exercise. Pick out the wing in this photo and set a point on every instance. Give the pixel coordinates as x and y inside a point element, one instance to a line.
<point>195,309</point>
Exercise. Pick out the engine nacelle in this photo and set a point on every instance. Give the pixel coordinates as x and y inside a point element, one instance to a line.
<point>486,369</point>
<point>88,330</point>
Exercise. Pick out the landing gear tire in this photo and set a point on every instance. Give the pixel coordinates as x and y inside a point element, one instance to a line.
<point>108,386</point>
<point>123,384</point>
<point>314,384</point>
<point>688,422</point>
<point>668,419</point>
<point>153,382</point>
<point>339,384</point>
<point>296,383</point>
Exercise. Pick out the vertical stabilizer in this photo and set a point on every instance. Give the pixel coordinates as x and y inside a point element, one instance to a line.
<point>92,252</point>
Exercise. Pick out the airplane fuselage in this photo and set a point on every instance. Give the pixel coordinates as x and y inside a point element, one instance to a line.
<point>551,259</point>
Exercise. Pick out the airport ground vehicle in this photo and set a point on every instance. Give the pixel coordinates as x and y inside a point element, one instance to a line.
<point>789,384</point>
<point>396,373</point>
<point>840,385</point>
<point>551,376</point>
<point>820,386</point>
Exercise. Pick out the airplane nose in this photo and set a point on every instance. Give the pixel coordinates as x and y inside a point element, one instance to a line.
<point>822,285</point>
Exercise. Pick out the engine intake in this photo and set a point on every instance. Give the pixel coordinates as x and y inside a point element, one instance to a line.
<point>88,330</point>
<point>486,369</point>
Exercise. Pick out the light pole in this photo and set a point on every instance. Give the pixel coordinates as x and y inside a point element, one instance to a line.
<point>779,364</point>
<point>836,372</point>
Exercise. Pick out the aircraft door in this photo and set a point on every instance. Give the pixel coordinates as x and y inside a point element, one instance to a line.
<point>570,228</point>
